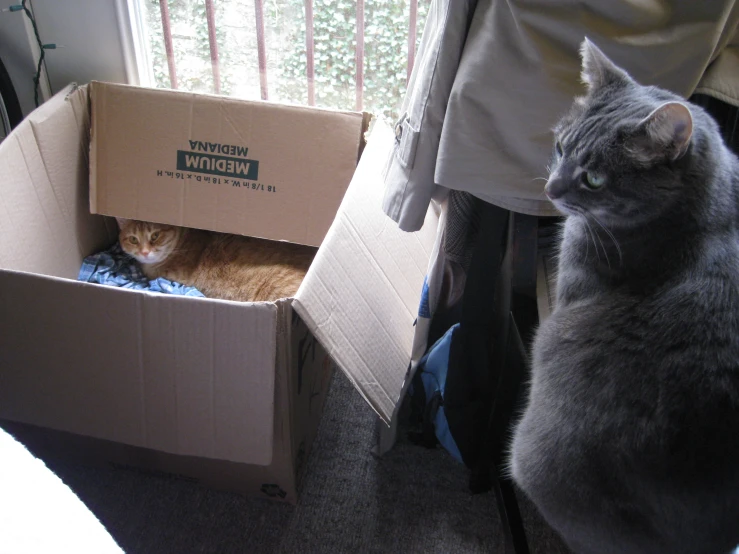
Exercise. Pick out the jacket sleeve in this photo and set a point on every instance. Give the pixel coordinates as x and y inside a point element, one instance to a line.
<point>721,79</point>
<point>409,171</point>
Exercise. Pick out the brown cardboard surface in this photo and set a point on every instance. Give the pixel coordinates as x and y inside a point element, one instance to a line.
<point>45,193</point>
<point>49,443</point>
<point>360,297</point>
<point>226,393</point>
<point>309,377</point>
<point>300,393</point>
<point>175,374</point>
<point>251,168</point>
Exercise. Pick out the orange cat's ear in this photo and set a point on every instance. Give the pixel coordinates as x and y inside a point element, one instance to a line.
<point>122,222</point>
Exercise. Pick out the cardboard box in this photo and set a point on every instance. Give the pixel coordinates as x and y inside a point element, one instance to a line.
<point>211,162</point>
<point>227,394</point>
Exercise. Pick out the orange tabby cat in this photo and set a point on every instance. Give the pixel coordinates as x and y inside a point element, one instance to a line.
<point>230,267</point>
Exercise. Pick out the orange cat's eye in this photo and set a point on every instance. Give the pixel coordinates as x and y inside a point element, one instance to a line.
<point>154,236</point>
<point>133,240</point>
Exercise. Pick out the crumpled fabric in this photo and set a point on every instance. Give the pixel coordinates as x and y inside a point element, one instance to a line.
<point>115,268</point>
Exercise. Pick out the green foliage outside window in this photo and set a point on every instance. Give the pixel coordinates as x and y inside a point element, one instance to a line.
<point>334,35</point>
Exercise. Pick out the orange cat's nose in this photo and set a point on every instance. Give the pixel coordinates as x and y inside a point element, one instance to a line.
<point>145,253</point>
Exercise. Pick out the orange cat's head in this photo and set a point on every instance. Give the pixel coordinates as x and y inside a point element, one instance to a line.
<point>149,243</point>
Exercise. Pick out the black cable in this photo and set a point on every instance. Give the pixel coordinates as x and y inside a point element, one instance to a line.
<point>37,77</point>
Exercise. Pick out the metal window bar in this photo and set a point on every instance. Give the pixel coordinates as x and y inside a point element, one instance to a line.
<point>309,47</point>
<point>310,53</point>
<point>412,24</point>
<point>359,57</point>
<point>210,15</point>
<point>261,48</point>
<point>168,47</point>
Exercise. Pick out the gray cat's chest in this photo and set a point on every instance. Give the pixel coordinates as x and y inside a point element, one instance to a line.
<point>590,362</point>
<point>592,401</point>
<point>617,374</point>
<point>592,344</point>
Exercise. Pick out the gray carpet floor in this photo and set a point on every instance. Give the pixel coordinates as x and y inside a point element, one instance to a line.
<point>412,500</point>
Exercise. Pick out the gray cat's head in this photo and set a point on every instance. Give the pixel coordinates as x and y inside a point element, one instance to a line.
<point>622,153</point>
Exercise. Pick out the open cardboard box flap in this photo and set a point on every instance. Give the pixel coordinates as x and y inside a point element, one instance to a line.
<point>39,160</point>
<point>360,297</point>
<point>220,163</point>
<point>156,356</point>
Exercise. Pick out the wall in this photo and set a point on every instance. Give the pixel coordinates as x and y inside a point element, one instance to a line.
<point>15,52</point>
<point>89,32</point>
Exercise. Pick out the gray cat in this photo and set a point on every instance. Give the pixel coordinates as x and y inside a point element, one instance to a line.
<point>630,440</point>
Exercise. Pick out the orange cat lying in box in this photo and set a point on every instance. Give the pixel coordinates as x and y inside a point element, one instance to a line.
<point>230,267</point>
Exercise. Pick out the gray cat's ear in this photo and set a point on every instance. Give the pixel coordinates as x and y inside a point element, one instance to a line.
<point>663,134</point>
<point>597,69</point>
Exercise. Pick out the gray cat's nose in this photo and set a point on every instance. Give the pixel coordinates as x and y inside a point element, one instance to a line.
<point>555,188</point>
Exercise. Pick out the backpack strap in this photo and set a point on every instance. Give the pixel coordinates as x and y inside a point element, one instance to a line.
<point>470,384</point>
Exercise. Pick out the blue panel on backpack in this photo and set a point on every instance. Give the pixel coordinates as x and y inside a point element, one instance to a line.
<point>424,309</point>
<point>433,370</point>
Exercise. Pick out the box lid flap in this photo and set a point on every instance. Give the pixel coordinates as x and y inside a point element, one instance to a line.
<point>360,297</point>
<point>44,190</point>
<point>252,168</point>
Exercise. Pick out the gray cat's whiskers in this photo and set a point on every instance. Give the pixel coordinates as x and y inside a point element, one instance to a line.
<point>592,235</point>
<point>605,252</point>
<point>588,238</point>
<point>613,239</point>
<point>592,232</point>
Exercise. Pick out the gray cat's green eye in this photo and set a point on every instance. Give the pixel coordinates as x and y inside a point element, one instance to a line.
<point>594,180</point>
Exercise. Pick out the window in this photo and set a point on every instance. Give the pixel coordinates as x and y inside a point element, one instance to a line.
<point>297,51</point>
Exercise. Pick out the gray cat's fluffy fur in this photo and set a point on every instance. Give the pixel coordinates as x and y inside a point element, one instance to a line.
<point>630,439</point>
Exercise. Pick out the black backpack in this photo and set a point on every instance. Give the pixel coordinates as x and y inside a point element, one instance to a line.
<point>453,387</point>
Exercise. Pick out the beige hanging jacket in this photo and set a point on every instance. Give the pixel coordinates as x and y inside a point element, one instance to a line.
<point>493,76</point>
